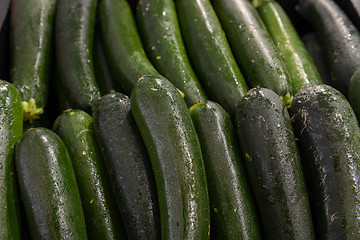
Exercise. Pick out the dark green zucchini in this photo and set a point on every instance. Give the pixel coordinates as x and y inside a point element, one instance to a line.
<point>351,9</point>
<point>210,53</point>
<point>128,166</point>
<point>104,74</point>
<point>339,38</point>
<point>273,164</point>
<point>233,212</point>
<point>48,186</point>
<point>74,33</point>
<point>354,93</point>
<point>253,48</point>
<point>102,217</point>
<point>329,140</point>
<point>122,43</point>
<point>160,32</point>
<point>32,25</point>
<point>165,124</point>
<point>297,60</point>
<point>11,126</point>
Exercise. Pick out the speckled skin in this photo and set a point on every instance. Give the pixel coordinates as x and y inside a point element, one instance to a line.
<point>32,24</point>
<point>48,186</point>
<point>102,216</point>
<point>10,132</point>
<point>128,166</point>
<point>273,164</point>
<point>329,141</point>
<point>159,29</point>
<point>232,207</point>
<point>74,33</point>
<point>165,124</point>
<point>210,53</point>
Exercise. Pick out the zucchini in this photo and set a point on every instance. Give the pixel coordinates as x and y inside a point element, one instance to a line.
<point>210,53</point>
<point>102,217</point>
<point>11,126</point>
<point>48,186</point>
<point>164,121</point>
<point>74,32</point>
<point>297,60</point>
<point>351,9</point>
<point>122,43</point>
<point>273,164</point>
<point>354,93</point>
<point>338,36</point>
<point>160,32</point>
<point>233,212</point>
<point>128,166</point>
<point>329,140</point>
<point>31,29</point>
<point>253,48</point>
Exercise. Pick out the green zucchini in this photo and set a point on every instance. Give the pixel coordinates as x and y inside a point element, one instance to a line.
<point>253,48</point>
<point>74,32</point>
<point>297,60</point>
<point>165,124</point>
<point>32,27</point>
<point>128,166</point>
<point>273,164</point>
<point>233,212</point>
<point>329,140</point>
<point>210,53</point>
<point>354,93</point>
<point>339,38</point>
<point>48,186</point>
<point>160,33</point>
<point>11,126</point>
<point>102,217</point>
<point>122,43</point>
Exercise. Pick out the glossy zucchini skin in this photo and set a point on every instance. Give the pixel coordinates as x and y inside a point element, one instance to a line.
<point>233,212</point>
<point>74,33</point>
<point>339,38</point>
<point>165,124</point>
<point>48,186</point>
<point>160,33</point>
<point>354,93</point>
<point>128,166</point>
<point>351,9</point>
<point>102,217</point>
<point>273,164</point>
<point>210,53</point>
<point>329,140</point>
<point>31,32</point>
<point>297,60</point>
<point>10,132</point>
<point>253,47</point>
<point>122,43</point>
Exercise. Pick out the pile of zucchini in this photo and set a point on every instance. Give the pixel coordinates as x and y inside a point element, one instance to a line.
<point>179,119</point>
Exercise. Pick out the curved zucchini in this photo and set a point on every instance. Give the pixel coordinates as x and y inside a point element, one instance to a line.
<point>128,166</point>
<point>273,164</point>
<point>48,186</point>
<point>102,217</point>
<point>11,126</point>
<point>233,212</point>
<point>160,32</point>
<point>164,121</point>
<point>32,24</point>
<point>339,38</point>
<point>122,43</point>
<point>210,53</point>
<point>329,140</point>
<point>74,32</point>
<point>297,60</point>
<point>351,9</point>
<point>253,47</point>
